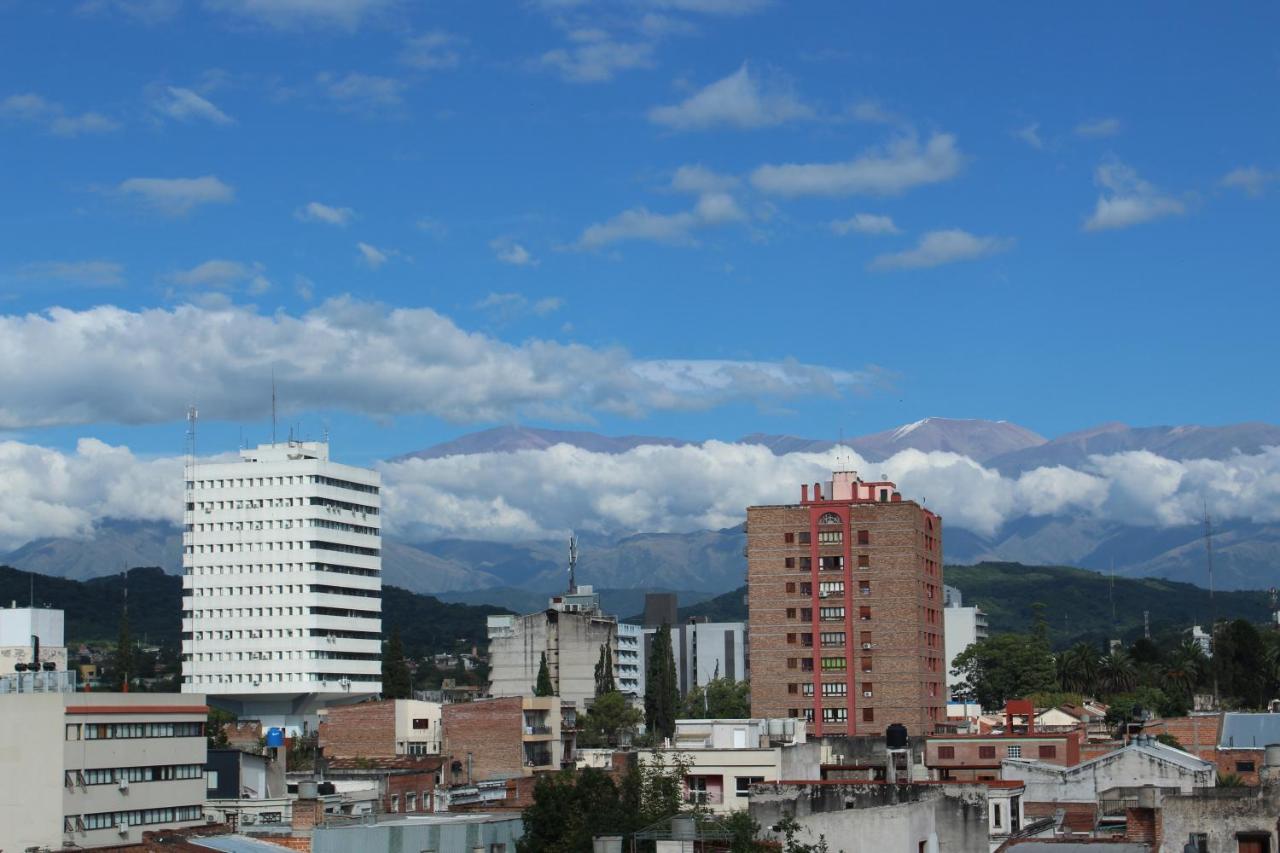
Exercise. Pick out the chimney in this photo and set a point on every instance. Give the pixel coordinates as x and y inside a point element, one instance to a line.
<point>804,493</point>
<point>817,491</point>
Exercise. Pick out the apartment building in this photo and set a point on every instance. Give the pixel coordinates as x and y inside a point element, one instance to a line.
<point>504,738</point>
<point>385,729</point>
<point>282,586</point>
<point>964,627</point>
<point>845,599</point>
<point>89,770</point>
<point>29,631</point>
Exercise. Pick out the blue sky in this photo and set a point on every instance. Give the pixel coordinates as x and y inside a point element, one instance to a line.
<point>722,217</point>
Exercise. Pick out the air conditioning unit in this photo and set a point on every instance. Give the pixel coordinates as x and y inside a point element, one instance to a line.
<point>121,827</point>
<point>824,595</point>
<point>123,784</point>
<point>866,646</point>
<point>866,694</point>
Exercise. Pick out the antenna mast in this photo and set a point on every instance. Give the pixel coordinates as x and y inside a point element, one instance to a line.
<point>573,563</point>
<point>1213,607</point>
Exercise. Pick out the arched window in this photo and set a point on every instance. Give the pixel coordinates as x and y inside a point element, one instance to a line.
<point>829,518</point>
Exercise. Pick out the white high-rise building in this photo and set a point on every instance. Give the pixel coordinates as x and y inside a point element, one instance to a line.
<point>282,586</point>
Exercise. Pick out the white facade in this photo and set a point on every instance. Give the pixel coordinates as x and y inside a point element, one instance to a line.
<point>962,627</point>
<point>91,770</point>
<point>629,659</point>
<point>418,729</point>
<point>704,651</point>
<point>19,624</point>
<point>282,603</point>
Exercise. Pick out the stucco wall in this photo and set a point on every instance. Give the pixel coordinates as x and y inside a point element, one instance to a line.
<point>1222,814</point>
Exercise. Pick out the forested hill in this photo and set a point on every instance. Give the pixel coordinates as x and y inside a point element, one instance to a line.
<point>1077,603</point>
<point>93,609</point>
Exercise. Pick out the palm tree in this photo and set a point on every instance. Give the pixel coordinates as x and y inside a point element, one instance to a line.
<point>1185,669</point>
<point>1117,673</point>
<point>1078,669</point>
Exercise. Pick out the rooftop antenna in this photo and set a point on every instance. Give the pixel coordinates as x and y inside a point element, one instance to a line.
<point>573,563</point>
<point>1213,607</point>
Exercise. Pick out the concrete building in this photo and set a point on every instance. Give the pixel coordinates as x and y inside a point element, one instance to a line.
<point>845,593</point>
<point>246,790</point>
<point>727,757</point>
<point>629,671</point>
<point>570,632</point>
<point>443,833</point>
<point>964,627</point>
<point>381,729</point>
<point>96,769</point>
<point>703,651</point>
<point>870,817</point>
<point>23,629</point>
<point>504,738</point>
<point>282,586</point>
<point>1242,744</point>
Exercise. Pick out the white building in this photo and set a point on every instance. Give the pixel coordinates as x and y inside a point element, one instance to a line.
<point>88,770</point>
<point>20,626</point>
<point>629,670</point>
<point>962,627</point>
<point>570,632</point>
<point>704,651</point>
<point>282,605</point>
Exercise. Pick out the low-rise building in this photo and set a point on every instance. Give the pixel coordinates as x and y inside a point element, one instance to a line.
<point>978,757</point>
<point>381,729</point>
<point>405,784</point>
<point>28,631</point>
<point>446,833</point>
<point>245,789</point>
<point>1242,742</point>
<point>96,769</point>
<point>507,737</point>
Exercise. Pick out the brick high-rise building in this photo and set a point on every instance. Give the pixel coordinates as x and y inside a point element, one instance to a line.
<point>845,595</point>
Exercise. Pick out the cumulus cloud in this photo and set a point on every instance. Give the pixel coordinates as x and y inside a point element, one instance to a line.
<point>299,14</point>
<point>223,275</point>
<point>109,364</point>
<point>373,256</point>
<point>1250,180</point>
<point>316,212</point>
<point>865,223</point>
<point>640,223</point>
<point>185,105</point>
<point>510,252</point>
<point>177,196</point>
<point>595,56</point>
<point>1030,135</point>
<point>943,247</point>
<point>699,179</point>
<point>96,273</point>
<point>434,51</point>
<point>37,110</point>
<point>741,100</point>
<point>1128,200</point>
<point>1098,128</point>
<point>892,170</point>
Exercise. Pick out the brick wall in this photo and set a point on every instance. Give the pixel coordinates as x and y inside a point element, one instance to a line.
<point>1233,760</point>
<point>401,786</point>
<point>307,814</point>
<point>490,732</point>
<point>1197,734</point>
<point>366,730</point>
<point>907,673</point>
<point>300,843</point>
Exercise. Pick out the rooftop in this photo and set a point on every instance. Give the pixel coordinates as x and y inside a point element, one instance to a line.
<point>1249,731</point>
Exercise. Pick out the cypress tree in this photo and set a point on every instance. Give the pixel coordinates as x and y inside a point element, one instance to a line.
<point>396,683</point>
<point>604,672</point>
<point>544,687</point>
<point>661,692</point>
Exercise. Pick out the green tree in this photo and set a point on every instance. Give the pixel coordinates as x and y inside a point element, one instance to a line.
<point>1078,669</point>
<point>215,727</point>
<point>604,672</point>
<point>661,692</point>
<point>1169,740</point>
<point>544,687</point>
<point>608,721</point>
<point>396,683</point>
<point>1005,666</point>
<point>1240,662</point>
<point>569,809</point>
<point>123,666</point>
<point>719,699</point>
<point>1117,673</point>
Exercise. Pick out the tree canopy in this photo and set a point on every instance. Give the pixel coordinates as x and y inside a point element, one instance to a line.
<point>661,691</point>
<point>544,687</point>
<point>719,699</point>
<point>396,682</point>
<point>1003,667</point>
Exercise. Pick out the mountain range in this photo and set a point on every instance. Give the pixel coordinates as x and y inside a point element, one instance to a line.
<point>711,561</point>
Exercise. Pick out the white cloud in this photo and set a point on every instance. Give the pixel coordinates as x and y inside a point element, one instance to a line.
<point>298,14</point>
<point>1030,135</point>
<point>145,11</point>
<point>96,273</point>
<point>316,212</point>
<point>363,93</point>
<point>713,7</point>
<point>108,364</point>
<point>304,287</point>
<point>1250,180</point>
<point>1128,200</point>
<point>53,117</point>
<point>900,166</point>
<point>873,112</point>
<point>373,256</point>
<point>508,307</point>
<point>942,247</point>
<point>639,223</point>
<point>222,274</point>
<point>510,252</point>
<point>435,50</point>
<point>740,100</point>
<point>178,196</point>
<point>185,105</point>
<point>865,223</point>
<point>595,56</point>
<point>699,179</point>
<point>1098,128</point>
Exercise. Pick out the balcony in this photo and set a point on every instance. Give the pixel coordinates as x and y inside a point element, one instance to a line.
<point>537,731</point>
<point>704,798</point>
<point>537,758</point>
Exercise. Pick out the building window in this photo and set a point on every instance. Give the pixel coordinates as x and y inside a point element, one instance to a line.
<point>791,663</point>
<point>1199,842</point>
<point>791,638</point>
<point>788,538</point>
<point>831,614</point>
<point>986,752</point>
<point>793,688</point>
<point>829,588</point>
<point>864,587</point>
<point>997,817</point>
<point>1245,767</point>
<point>832,639</point>
<point>829,518</point>
<point>395,803</point>
<point>864,614</point>
<point>806,588</point>
<point>834,688</point>
<point>807,689</point>
<point>411,802</point>
<point>837,664</point>
<point>868,715</point>
<point>791,613</point>
<point>835,715</point>
<point>866,664</point>
<point>831,564</point>
<point>864,562</point>
<point>210,780</point>
<point>421,723</point>
<point>864,537</point>
<point>803,538</point>
<point>830,537</point>
<point>789,563</point>
<point>946,752</point>
<point>1015,751</point>
<point>806,563</point>
<point>1048,751</point>
<point>744,783</point>
<point>806,614</point>
<point>791,587</point>
<point>73,731</point>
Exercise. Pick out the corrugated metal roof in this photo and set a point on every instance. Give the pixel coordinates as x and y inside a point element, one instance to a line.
<point>236,844</point>
<point>1249,731</point>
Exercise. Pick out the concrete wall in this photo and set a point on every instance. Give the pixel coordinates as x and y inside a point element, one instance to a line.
<point>1223,814</point>
<point>571,642</point>
<point>962,631</point>
<point>31,771</point>
<point>458,835</point>
<point>1125,768</point>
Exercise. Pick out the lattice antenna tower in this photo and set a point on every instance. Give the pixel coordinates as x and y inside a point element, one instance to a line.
<point>573,563</point>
